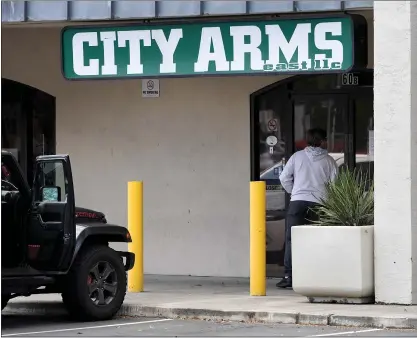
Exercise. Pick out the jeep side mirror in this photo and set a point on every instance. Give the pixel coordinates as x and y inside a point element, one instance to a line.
<point>51,194</point>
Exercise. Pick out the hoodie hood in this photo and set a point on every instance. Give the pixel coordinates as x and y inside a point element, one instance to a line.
<point>315,153</point>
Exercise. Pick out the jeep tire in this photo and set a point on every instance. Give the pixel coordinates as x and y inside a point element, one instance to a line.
<point>95,287</point>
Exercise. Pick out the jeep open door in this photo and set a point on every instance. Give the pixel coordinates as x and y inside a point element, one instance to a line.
<point>51,231</point>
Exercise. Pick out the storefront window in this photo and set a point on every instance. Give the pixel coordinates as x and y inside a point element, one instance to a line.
<point>28,123</point>
<point>12,129</point>
<point>364,128</point>
<point>43,124</point>
<point>327,113</point>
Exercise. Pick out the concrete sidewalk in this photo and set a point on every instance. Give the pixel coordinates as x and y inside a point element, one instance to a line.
<point>228,299</point>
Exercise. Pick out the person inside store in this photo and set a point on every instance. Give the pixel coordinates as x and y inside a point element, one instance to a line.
<point>305,177</point>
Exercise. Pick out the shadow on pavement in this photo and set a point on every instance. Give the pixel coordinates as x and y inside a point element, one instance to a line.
<point>11,321</point>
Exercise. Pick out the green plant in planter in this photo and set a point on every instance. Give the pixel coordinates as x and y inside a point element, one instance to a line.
<point>349,201</point>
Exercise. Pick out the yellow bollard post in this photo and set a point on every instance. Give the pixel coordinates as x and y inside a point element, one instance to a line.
<point>258,238</point>
<point>135,226</point>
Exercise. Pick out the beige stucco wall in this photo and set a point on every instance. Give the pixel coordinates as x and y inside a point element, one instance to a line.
<point>191,147</point>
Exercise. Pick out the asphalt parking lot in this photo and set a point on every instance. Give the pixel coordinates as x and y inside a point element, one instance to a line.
<point>47,326</point>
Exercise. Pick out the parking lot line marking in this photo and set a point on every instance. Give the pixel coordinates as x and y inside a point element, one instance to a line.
<point>87,327</point>
<point>345,332</point>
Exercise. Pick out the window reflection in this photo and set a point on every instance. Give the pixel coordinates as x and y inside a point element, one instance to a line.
<point>364,128</point>
<point>324,113</point>
<point>272,115</point>
<point>50,175</point>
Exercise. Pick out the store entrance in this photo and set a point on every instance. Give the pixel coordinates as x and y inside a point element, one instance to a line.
<point>27,122</point>
<point>282,113</point>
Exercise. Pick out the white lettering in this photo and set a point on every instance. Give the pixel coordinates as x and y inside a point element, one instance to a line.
<point>240,48</point>
<point>135,65</point>
<point>209,36</point>
<point>299,40</point>
<point>78,54</point>
<point>335,28</point>
<point>109,66</point>
<point>167,48</point>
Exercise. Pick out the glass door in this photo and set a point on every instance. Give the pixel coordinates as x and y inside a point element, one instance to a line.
<point>281,114</point>
<point>273,140</point>
<point>282,127</point>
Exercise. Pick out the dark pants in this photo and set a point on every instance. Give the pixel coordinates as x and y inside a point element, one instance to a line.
<point>299,213</point>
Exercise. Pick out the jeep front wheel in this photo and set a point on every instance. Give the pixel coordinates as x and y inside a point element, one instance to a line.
<point>96,285</point>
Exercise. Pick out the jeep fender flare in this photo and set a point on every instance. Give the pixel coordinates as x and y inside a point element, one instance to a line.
<point>99,234</point>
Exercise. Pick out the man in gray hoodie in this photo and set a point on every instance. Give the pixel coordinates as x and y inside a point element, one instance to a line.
<point>304,177</point>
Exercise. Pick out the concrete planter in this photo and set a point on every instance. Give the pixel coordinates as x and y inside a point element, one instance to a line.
<point>333,263</point>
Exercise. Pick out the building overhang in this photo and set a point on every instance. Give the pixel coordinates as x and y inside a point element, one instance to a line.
<point>68,11</point>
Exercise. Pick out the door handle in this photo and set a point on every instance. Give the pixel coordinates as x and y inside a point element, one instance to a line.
<point>53,226</point>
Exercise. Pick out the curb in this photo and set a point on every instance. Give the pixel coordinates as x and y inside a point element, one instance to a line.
<point>133,310</point>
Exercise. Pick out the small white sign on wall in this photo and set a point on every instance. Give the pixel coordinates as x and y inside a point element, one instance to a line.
<point>150,88</point>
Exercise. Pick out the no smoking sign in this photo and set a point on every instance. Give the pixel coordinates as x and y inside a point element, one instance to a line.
<point>273,125</point>
<point>150,88</point>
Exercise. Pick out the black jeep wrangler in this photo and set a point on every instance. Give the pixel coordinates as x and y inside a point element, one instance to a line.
<point>50,246</point>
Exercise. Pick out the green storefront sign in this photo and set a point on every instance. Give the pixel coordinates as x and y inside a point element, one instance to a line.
<point>281,46</point>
